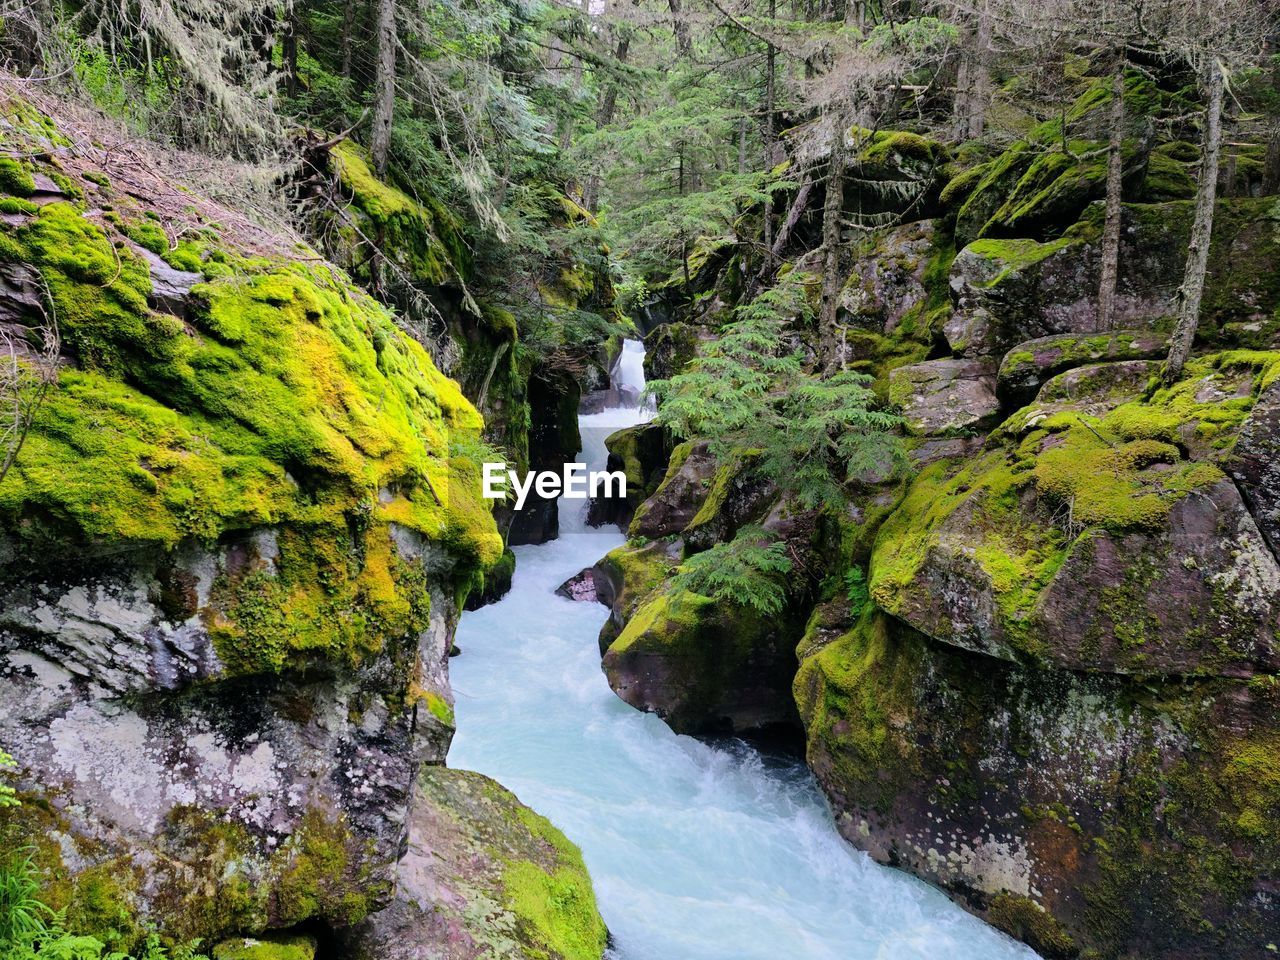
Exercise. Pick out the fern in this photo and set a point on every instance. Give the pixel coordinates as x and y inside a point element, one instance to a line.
<point>750,390</point>
<point>747,571</point>
<point>8,796</point>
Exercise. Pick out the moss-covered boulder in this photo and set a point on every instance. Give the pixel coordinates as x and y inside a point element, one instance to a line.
<point>300,947</point>
<point>1087,814</point>
<point>1096,541</point>
<point>1009,291</point>
<point>232,551</point>
<point>1026,368</point>
<point>641,454</point>
<point>624,577</point>
<point>704,666</point>
<point>669,347</point>
<point>482,877</point>
<point>691,472</point>
<point>946,398</point>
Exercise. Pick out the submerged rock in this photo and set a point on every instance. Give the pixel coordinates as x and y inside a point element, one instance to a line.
<point>580,587</point>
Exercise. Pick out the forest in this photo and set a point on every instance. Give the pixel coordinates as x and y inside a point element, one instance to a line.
<point>938,342</point>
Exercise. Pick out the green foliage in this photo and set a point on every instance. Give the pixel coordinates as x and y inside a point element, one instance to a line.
<point>749,390</point>
<point>747,570</point>
<point>856,589</point>
<point>8,797</point>
<point>30,930</point>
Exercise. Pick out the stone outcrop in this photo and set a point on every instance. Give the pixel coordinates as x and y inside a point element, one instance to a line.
<point>232,550</point>
<point>475,881</point>
<point>1041,673</point>
<point>950,397</point>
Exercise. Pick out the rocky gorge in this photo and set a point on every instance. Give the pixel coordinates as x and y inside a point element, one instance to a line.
<point>1040,670</point>
<point>1005,622</point>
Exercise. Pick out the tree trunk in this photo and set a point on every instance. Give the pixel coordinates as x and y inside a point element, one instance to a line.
<point>1115,182</point>
<point>770,72</point>
<point>680,28</point>
<point>1192,289</point>
<point>348,28</point>
<point>385,94</point>
<point>289,51</point>
<point>980,90</point>
<point>798,207</point>
<point>604,117</point>
<point>832,209</point>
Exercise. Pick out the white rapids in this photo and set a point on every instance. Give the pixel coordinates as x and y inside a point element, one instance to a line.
<point>697,851</point>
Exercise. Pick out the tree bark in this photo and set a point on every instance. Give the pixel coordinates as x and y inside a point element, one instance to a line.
<point>980,90</point>
<point>680,28</point>
<point>798,207</point>
<point>832,209</point>
<point>348,28</point>
<point>1115,183</point>
<point>1192,290</point>
<point>385,94</point>
<point>770,75</point>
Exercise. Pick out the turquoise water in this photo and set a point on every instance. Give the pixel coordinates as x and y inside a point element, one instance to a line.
<point>698,852</point>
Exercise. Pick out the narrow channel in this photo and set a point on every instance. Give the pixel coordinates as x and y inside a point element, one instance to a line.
<point>698,851</point>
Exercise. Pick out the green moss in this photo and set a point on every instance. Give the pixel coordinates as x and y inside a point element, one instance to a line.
<point>287,400</point>
<point>1026,920</point>
<point>1015,255</point>
<point>856,699</point>
<point>440,708</point>
<point>17,205</point>
<point>15,178</point>
<point>1046,480</point>
<point>325,872</point>
<point>556,908</point>
<point>1167,178</point>
<point>418,233</point>
<point>149,235</point>
<point>268,948</point>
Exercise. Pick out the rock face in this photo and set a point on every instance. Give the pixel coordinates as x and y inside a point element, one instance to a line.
<point>232,549</point>
<point>1042,673</point>
<point>476,879</point>
<point>947,397</point>
<point>581,587</point>
<point>1028,366</point>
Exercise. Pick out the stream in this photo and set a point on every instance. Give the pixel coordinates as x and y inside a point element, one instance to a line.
<point>698,851</point>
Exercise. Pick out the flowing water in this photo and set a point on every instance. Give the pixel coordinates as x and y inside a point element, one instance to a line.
<point>698,851</point>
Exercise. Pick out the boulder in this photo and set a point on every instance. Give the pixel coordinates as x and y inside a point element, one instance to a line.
<point>1255,464</point>
<point>681,494</point>
<point>1076,811</point>
<point>482,877</point>
<point>704,666</point>
<point>1105,541</point>
<point>669,347</point>
<point>580,587</point>
<point>888,280</point>
<point>624,577</point>
<point>641,453</point>
<point>942,398</point>
<point>1006,292</point>
<point>1029,365</point>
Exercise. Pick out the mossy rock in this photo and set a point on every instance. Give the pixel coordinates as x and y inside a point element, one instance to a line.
<point>705,666</point>
<point>288,400</point>
<point>1079,813</point>
<point>625,576</point>
<point>1094,540</point>
<point>1047,179</point>
<point>299,947</point>
<point>1029,365</point>
<point>483,876</point>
